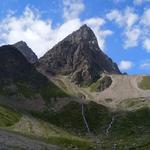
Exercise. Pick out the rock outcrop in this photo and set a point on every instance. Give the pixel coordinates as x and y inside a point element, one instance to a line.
<point>79,56</point>
<point>26,51</point>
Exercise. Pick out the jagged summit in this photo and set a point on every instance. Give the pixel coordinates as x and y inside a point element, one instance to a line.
<point>26,51</point>
<point>83,33</point>
<point>79,56</point>
<point>21,43</point>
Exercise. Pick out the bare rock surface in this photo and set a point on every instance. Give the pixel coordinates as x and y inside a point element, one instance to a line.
<point>79,56</point>
<point>26,51</point>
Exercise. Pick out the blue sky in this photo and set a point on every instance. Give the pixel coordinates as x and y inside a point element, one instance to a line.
<point>121,26</point>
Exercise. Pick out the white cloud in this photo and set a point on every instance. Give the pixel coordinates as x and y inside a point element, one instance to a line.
<point>135,2</point>
<point>146,44</point>
<point>136,29</point>
<point>30,28</point>
<point>40,35</point>
<point>145,27</point>
<point>72,8</point>
<point>145,66</point>
<point>146,18</point>
<point>124,19</point>
<point>139,2</point>
<point>132,37</point>
<point>125,65</point>
<point>116,16</point>
<point>127,20</point>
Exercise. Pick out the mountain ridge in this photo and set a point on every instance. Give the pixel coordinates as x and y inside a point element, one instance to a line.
<point>79,56</point>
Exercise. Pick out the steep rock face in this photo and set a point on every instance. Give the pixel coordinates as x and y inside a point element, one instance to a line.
<point>78,55</point>
<point>26,51</point>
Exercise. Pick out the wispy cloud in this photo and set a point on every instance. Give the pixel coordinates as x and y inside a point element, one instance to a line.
<point>72,9</point>
<point>125,65</point>
<point>136,29</point>
<point>127,20</point>
<point>145,66</point>
<point>135,2</point>
<point>139,2</point>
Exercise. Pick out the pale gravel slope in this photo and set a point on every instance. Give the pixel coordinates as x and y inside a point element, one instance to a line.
<point>123,87</point>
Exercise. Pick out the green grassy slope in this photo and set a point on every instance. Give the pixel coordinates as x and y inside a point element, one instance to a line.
<point>70,117</point>
<point>44,131</point>
<point>26,90</point>
<point>145,83</point>
<point>98,117</point>
<point>129,127</point>
<point>8,116</point>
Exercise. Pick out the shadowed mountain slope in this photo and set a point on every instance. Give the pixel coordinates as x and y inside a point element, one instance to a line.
<point>18,76</point>
<point>26,51</point>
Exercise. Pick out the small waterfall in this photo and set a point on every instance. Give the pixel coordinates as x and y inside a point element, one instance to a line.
<point>84,119</point>
<point>110,125</point>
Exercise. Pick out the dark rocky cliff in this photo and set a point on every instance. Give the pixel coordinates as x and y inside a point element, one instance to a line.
<point>79,55</point>
<point>26,51</point>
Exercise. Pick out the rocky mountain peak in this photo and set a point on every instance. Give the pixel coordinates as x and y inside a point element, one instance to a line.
<point>79,56</point>
<point>84,34</point>
<point>26,51</point>
<point>21,43</point>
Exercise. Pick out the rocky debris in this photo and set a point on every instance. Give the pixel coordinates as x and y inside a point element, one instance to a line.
<point>79,56</point>
<point>26,51</point>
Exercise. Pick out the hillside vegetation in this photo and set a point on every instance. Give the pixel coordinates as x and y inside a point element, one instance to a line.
<point>8,116</point>
<point>145,83</point>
